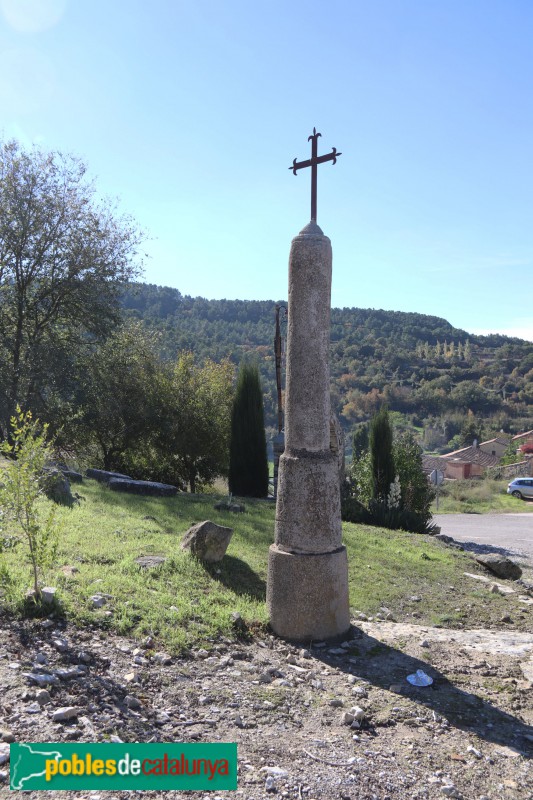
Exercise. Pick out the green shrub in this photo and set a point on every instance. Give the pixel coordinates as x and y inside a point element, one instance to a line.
<point>22,489</point>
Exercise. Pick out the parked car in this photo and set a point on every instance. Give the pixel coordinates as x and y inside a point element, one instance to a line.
<point>521,488</point>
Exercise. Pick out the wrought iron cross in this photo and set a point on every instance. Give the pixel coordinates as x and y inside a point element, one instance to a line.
<point>313,163</point>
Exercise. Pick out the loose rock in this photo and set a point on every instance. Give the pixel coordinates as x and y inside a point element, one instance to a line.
<point>65,713</point>
<point>499,565</point>
<point>42,697</point>
<point>48,594</point>
<point>207,541</point>
<point>41,678</point>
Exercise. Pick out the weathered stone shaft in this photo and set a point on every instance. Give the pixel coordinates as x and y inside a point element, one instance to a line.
<point>307,403</point>
<point>307,584</point>
<point>308,513</point>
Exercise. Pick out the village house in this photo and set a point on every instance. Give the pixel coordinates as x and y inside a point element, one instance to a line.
<point>469,462</point>
<point>495,447</point>
<point>473,461</point>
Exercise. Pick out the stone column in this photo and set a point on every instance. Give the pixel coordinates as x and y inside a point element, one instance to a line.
<point>278,446</point>
<point>307,584</point>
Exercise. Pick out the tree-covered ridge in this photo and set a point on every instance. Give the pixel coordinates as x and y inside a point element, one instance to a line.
<point>420,365</point>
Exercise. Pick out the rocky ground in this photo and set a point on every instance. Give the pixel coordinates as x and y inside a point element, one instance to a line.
<point>316,722</point>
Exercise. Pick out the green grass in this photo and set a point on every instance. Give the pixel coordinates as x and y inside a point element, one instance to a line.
<point>185,603</point>
<point>478,497</point>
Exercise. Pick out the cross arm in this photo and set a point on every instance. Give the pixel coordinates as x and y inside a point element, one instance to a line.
<point>310,162</point>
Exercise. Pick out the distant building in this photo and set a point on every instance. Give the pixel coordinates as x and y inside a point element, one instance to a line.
<point>495,447</point>
<point>468,462</point>
<point>429,463</point>
<point>473,461</point>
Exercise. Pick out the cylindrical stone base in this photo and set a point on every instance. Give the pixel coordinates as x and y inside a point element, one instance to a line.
<point>307,594</point>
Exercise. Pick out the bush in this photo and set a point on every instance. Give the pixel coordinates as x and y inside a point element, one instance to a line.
<point>417,494</point>
<point>352,509</point>
<point>406,503</point>
<point>381,514</point>
<point>23,487</point>
<point>386,516</point>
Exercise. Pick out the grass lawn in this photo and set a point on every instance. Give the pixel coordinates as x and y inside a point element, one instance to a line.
<point>478,497</point>
<point>184,602</point>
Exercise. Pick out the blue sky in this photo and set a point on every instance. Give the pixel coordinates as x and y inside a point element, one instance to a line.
<point>191,111</point>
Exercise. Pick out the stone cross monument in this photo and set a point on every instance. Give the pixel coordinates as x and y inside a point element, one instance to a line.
<point>307,584</point>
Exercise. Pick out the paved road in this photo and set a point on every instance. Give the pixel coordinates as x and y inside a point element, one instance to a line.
<point>507,532</point>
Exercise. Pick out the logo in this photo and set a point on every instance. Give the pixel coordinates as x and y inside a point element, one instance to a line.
<point>160,765</point>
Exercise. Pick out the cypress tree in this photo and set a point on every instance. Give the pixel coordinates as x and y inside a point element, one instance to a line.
<point>360,440</point>
<point>381,456</point>
<point>248,468</point>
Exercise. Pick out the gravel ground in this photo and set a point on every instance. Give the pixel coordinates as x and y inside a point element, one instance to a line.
<point>468,735</point>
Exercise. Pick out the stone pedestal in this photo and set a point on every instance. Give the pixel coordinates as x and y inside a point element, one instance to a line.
<point>307,594</point>
<point>307,584</point>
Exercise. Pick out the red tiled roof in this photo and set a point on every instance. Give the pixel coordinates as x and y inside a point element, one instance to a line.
<point>473,455</point>
<point>522,435</point>
<point>457,453</point>
<point>498,439</point>
<point>429,463</point>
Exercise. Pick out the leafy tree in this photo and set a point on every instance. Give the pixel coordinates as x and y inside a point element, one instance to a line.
<point>470,396</point>
<point>510,456</point>
<point>22,488</point>
<point>360,478</point>
<point>118,402</point>
<point>62,258</point>
<point>192,444</point>
<point>471,431</point>
<point>416,492</point>
<point>151,419</point>
<point>248,471</point>
<point>381,455</point>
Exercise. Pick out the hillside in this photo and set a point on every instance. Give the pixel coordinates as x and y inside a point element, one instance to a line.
<point>431,373</point>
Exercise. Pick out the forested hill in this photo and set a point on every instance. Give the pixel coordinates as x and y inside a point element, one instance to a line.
<point>423,367</point>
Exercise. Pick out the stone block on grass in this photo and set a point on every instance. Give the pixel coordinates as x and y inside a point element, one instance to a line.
<point>147,488</point>
<point>72,476</point>
<point>104,476</point>
<point>207,541</point>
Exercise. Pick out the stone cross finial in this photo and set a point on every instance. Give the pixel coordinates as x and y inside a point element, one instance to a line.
<point>313,163</point>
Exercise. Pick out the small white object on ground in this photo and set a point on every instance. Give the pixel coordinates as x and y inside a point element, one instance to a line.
<point>420,678</point>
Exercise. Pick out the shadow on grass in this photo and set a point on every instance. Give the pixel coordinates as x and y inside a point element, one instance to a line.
<point>384,666</point>
<point>237,576</point>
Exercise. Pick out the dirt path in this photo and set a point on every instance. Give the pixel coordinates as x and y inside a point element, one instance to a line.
<point>467,735</point>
